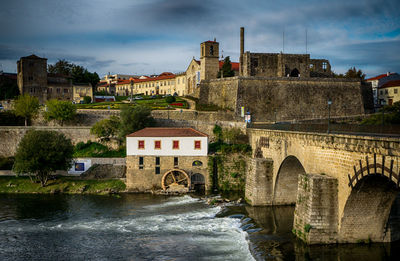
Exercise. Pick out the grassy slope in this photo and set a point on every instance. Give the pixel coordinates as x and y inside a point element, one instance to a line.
<point>155,104</point>
<point>68,185</point>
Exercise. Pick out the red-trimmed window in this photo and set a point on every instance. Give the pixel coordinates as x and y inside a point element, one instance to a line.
<point>197,144</point>
<point>175,144</point>
<point>157,144</point>
<point>141,144</point>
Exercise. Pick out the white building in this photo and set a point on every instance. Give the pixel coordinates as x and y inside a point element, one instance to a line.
<point>167,142</point>
<point>172,159</point>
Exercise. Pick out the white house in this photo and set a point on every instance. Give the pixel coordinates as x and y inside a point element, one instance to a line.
<point>167,142</point>
<point>172,159</point>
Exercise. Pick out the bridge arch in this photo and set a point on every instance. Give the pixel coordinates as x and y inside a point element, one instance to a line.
<point>366,212</point>
<point>286,182</point>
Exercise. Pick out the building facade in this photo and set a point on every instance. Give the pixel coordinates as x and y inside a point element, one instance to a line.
<point>378,81</point>
<point>172,159</point>
<point>389,92</point>
<point>80,91</point>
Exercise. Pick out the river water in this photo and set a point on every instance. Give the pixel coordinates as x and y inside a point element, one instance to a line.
<point>146,227</point>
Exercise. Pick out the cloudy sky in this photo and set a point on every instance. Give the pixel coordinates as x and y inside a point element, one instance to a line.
<point>152,36</point>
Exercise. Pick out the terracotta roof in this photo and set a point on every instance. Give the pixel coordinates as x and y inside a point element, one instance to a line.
<point>235,66</point>
<point>380,76</point>
<point>394,83</point>
<point>167,132</point>
<point>160,77</point>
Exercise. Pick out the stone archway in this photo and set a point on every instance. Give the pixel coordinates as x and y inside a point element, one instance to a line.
<point>176,180</point>
<point>294,73</point>
<point>286,183</point>
<point>198,182</point>
<point>367,209</point>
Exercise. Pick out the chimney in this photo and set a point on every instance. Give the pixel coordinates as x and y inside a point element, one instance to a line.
<point>241,51</point>
<point>241,41</point>
<point>388,73</point>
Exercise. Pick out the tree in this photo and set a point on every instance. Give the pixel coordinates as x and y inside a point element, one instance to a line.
<point>134,118</point>
<point>26,106</point>
<point>61,67</point>
<point>78,73</point>
<point>218,132</point>
<point>352,73</point>
<point>8,88</point>
<point>106,129</point>
<point>170,99</point>
<point>60,111</point>
<point>42,152</point>
<point>87,99</point>
<point>226,69</point>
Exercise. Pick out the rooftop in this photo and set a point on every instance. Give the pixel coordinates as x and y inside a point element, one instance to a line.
<point>394,83</point>
<point>167,132</point>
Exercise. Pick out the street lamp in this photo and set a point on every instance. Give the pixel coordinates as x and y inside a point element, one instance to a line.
<point>383,103</point>
<point>329,114</point>
<point>131,79</point>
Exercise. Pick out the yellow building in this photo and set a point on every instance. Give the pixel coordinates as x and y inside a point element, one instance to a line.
<point>80,91</point>
<point>389,92</point>
<point>180,84</point>
<point>192,76</point>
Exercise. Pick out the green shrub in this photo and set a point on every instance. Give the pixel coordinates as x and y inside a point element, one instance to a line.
<point>170,99</point>
<point>6,163</point>
<point>87,99</point>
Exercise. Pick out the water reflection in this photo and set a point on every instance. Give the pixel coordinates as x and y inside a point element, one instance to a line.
<point>276,241</point>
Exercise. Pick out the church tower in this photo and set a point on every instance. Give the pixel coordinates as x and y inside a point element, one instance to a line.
<point>209,60</point>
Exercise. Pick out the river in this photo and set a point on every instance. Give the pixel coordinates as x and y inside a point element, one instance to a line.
<point>147,227</point>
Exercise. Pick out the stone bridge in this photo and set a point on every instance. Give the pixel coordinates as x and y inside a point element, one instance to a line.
<point>345,187</point>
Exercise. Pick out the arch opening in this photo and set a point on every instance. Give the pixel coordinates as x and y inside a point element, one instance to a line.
<point>198,182</point>
<point>285,190</point>
<point>372,212</point>
<point>294,73</point>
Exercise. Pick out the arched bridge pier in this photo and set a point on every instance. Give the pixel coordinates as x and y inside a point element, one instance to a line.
<point>345,187</point>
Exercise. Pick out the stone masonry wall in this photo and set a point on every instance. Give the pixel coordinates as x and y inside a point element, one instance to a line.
<point>11,136</point>
<point>316,217</point>
<point>259,182</point>
<point>142,180</point>
<point>285,99</point>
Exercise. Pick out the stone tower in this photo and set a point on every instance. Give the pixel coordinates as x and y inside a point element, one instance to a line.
<point>209,60</point>
<point>32,76</point>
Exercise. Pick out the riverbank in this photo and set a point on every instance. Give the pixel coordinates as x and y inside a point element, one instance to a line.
<point>65,185</point>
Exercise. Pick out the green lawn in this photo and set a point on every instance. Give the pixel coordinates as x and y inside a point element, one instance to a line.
<point>154,104</point>
<point>68,185</point>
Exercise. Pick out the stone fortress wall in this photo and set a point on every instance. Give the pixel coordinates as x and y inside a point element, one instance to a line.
<point>284,99</point>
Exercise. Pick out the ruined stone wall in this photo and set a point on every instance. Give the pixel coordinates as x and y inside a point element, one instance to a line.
<point>11,136</point>
<point>142,180</point>
<point>284,99</point>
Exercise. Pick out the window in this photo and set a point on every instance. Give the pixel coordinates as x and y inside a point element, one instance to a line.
<point>175,144</point>
<point>65,90</point>
<point>58,90</point>
<point>395,91</point>
<point>197,144</point>
<point>141,144</point>
<point>140,162</point>
<point>157,168</point>
<point>157,144</point>
<point>386,91</point>
<point>49,90</point>
<point>324,66</point>
<point>176,161</point>
<point>211,50</point>
<point>380,92</point>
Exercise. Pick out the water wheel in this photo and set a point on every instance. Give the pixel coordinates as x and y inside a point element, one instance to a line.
<point>175,180</point>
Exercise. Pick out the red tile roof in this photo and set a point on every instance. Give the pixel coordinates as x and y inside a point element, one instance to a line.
<point>377,77</point>
<point>394,83</point>
<point>235,66</point>
<point>167,132</point>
